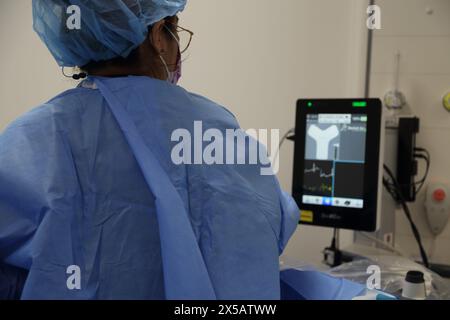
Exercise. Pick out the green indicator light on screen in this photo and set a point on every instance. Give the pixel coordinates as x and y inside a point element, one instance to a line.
<point>359,104</point>
<point>310,104</point>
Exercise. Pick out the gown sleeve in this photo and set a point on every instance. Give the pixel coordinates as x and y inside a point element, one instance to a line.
<point>290,214</point>
<point>35,175</point>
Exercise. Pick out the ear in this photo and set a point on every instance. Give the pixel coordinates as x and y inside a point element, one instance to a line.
<point>156,37</point>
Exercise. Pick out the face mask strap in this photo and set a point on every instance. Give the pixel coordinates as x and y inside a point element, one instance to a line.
<point>165,66</point>
<point>173,36</point>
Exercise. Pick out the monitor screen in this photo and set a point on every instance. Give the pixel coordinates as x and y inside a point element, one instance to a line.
<point>337,160</point>
<point>335,149</point>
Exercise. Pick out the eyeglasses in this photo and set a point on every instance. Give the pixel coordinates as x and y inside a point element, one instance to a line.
<point>184,37</point>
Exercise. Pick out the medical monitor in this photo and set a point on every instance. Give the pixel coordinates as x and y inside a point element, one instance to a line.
<point>337,162</point>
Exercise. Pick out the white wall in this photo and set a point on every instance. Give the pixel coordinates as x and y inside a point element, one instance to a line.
<point>256,57</point>
<point>423,41</point>
<point>29,75</point>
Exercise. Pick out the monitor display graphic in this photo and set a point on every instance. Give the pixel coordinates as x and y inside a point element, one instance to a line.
<point>335,151</point>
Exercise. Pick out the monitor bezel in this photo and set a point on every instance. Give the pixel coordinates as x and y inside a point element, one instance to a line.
<point>364,219</point>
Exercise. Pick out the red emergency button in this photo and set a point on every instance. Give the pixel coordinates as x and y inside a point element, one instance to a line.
<point>439,195</point>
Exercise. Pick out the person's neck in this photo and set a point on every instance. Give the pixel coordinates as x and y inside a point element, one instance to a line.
<point>119,71</point>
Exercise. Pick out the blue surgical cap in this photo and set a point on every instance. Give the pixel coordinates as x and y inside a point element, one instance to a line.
<point>107,28</point>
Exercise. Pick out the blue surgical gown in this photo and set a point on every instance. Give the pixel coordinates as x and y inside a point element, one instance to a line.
<point>72,193</point>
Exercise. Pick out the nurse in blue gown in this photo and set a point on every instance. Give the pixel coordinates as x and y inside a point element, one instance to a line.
<point>92,205</point>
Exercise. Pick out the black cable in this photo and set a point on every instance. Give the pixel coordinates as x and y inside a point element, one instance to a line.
<point>286,137</point>
<point>423,150</point>
<point>283,139</point>
<point>399,196</point>
<point>332,254</point>
<point>79,76</point>
<point>333,241</point>
<point>424,154</point>
<point>422,181</point>
<point>420,153</point>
